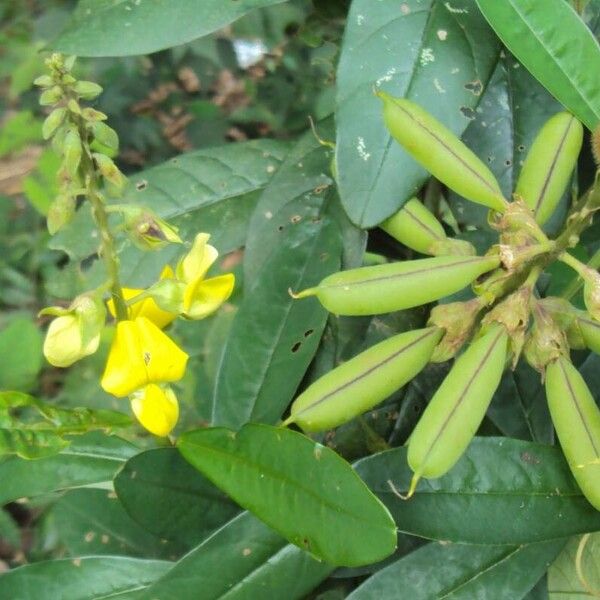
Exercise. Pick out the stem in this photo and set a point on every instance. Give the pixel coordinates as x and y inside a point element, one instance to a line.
<point>577,283</point>
<point>580,268</point>
<point>108,252</point>
<point>99,212</point>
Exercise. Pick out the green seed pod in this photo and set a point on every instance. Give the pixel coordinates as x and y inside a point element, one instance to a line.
<point>590,331</point>
<point>396,286</point>
<point>436,148</point>
<point>415,226</point>
<point>549,164</point>
<point>53,122</point>
<point>591,293</point>
<point>364,381</point>
<point>458,407</point>
<point>576,418</point>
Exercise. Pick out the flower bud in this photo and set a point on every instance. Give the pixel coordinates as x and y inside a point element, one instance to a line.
<point>148,231</point>
<point>91,114</point>
<point>51,96</point>
<point>88,90</point>
<point>53,122</point>
<point>60,213</point>
<point>72,151</point>
<point>75,333</point>
<point>109,170</point>
<point>156,408</point>
<point>44,81</point>
<point>104,134</point>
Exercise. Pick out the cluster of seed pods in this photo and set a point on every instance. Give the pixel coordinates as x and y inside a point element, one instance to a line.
<point>484,335</point>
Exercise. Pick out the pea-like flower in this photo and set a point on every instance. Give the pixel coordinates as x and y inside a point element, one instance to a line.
<point>156,408</point>
<point>141,354</point>
<point>147,307</point>
<point>202,296</point>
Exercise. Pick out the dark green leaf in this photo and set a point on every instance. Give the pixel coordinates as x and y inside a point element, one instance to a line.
<point>245,559</point>
<point>20,354</point>
<point>502,491</point>
<point>552,41</point>
<point>167,496</point>
<point>303,490</point>
<point>90,459</point>
<point>461,572</point>
<point>113,577</point>
<point>439,54</point>
<point>274,337</point>
<point>126,27</point>
<point>93,522</point>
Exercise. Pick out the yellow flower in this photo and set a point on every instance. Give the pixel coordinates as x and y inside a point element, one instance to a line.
<point>147,307</point>
<point>141,354</point>
<point>202,297</point>
<point>75,333</point>
<point>155,408</point>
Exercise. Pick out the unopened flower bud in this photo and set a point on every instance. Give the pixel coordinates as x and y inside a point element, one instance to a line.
<point>51,96</point>
<point>105,135</point>
<point>72,151</point>
<point>53,122</point>
<point>75,333</point>
<point>44,81</point>
<point>109,170</point>
<point>148,231</point>
<point>60,213</point>
<point>88,90</point>
<point>91,114</point>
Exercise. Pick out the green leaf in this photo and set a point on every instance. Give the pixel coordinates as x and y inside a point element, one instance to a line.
<point>90,459</point>
<point>303,490</point>
<point>213,190</point>
<point>273,337</point>
<point>127,27</point>
<point>29,438</point>
<point>564,582</point>
<point>552,41</point>
<point>9,530</point>
<point>20,354</point>
<point>94,577</point>
<point>439,54</point>
<point>502,491</point>
<point>93,522</point>
<point>167,496</point>
<point>304,170</point>
<point>245,559</point>
<point>461,572</point>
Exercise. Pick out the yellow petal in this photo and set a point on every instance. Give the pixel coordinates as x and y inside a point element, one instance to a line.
<point>141,353</point>
<point>64,342</point>
<point>198,260</point>
<point>147,307</point>
<point>156,409</point>
<point>204,296</point>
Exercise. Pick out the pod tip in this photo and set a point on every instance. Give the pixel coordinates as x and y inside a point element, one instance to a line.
<point>288,421</point>
<point>411,489</point>
<point>303,294</point>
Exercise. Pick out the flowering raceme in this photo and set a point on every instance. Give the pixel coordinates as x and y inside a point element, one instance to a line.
<point>143,359</point>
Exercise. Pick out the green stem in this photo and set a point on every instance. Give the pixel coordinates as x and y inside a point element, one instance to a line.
<point>580,268</point>
<point>577,283</point>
